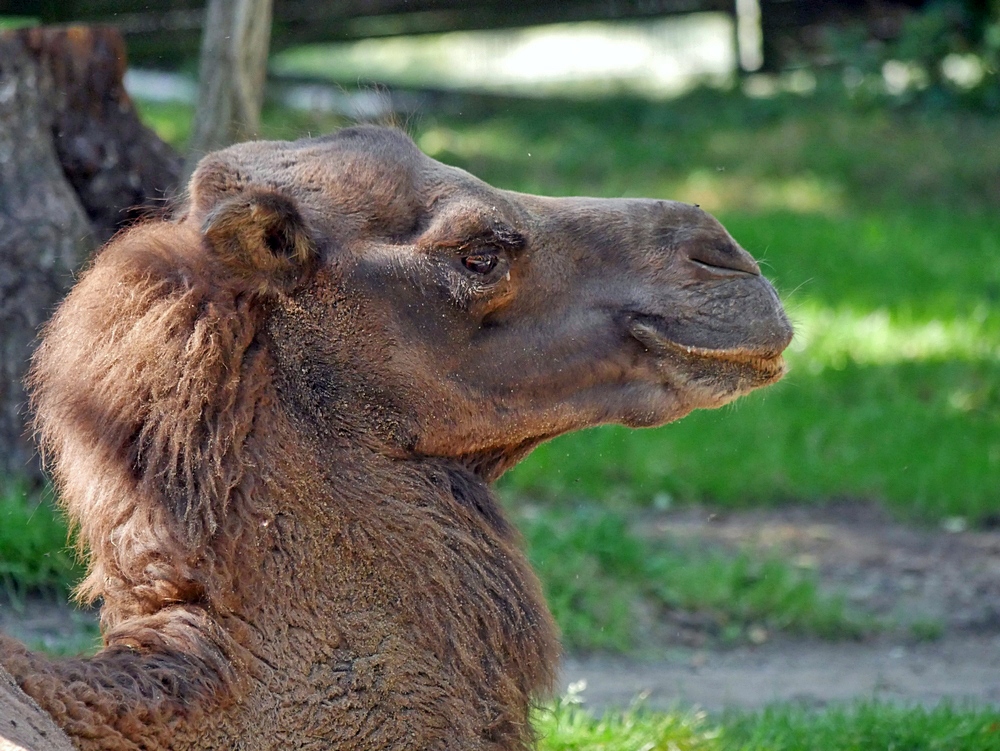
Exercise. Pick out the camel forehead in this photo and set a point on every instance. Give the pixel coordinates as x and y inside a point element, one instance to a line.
<point>372,178</point>
<point>379,145</point>
<point>361,154</point>
<point>353,161</point>
<point>370,182</point>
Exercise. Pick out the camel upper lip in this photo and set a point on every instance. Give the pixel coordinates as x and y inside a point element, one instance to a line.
<point>648,330</point>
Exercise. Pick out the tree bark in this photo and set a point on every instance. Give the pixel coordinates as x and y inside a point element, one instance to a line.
<point>44,233</point>
<point>117,166</point>
<point>231,75</point>
<point>74,163</point>
<point>24,726</point>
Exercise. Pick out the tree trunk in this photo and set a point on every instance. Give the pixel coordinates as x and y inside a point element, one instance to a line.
<point>24,726</point>
<point>44,233</point>
<point>117,166</point>
<point>231,75</point>
<point>74,163</point>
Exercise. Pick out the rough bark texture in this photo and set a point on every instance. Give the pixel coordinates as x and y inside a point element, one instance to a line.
<point>119,168</point>
<point>75,162</point>
<point>44,233</point>
<point>231,75</point>
<point>23,724</point>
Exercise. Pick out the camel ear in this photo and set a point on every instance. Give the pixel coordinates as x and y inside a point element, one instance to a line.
<point>262,238</point>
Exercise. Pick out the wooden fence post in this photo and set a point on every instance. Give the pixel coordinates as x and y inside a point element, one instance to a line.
<point>231,75</point>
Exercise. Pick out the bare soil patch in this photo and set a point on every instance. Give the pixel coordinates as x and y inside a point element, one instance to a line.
<point>957,668</point>
<point>906,574</point>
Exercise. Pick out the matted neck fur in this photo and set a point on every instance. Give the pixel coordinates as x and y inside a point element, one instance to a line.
<point>273,422</point>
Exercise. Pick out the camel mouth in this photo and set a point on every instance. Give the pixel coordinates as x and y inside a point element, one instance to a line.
<point>764,364</point>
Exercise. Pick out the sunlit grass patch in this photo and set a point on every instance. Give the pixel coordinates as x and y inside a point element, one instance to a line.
<point>549,161</point>
<point>657,56</point>
<point>567,726</point>
<point>832,337</point>
<point>717,190</point>
<point>920,263</point>
<point>172,121</point>
<point>865,726</point>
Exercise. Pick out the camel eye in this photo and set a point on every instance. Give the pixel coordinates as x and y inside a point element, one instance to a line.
<point>481,263</point>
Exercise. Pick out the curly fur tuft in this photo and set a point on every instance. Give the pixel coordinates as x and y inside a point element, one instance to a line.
<point>145,388</point>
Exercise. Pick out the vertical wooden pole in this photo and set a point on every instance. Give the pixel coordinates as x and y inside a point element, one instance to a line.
<point>232,71</point>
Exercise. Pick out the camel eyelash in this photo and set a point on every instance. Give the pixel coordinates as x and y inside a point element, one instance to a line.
<point>500,239</point>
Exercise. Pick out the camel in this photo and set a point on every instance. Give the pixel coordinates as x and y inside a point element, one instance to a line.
<point>274,420</point>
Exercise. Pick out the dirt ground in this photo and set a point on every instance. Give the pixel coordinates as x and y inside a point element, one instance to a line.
<point>941,587</point>
<point>960,669</point>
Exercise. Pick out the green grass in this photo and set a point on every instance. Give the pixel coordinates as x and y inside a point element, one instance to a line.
<point>568,727</point>
<point>923,437</point>
<point>34,552</point>
<point>881,231</point>
<point>607,586</point>
<point>870,726</point>
<point>866,726</point>
<point>17,22</point>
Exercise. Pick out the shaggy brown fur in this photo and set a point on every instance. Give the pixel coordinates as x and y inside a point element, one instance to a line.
<point>273,422</point>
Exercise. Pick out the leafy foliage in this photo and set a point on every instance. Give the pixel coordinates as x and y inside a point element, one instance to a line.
<point>947,55</point>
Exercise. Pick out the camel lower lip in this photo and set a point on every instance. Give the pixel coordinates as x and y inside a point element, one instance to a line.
<point>768,364</point>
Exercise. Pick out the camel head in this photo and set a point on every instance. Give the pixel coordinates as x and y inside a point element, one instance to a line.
<point>414,304</point>
<point>263,418</point>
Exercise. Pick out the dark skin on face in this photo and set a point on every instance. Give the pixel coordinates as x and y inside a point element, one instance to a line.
<point>491,320</point>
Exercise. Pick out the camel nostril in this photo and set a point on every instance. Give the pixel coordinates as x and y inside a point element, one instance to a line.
<point>724,260</point>
<point>713,271</point>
